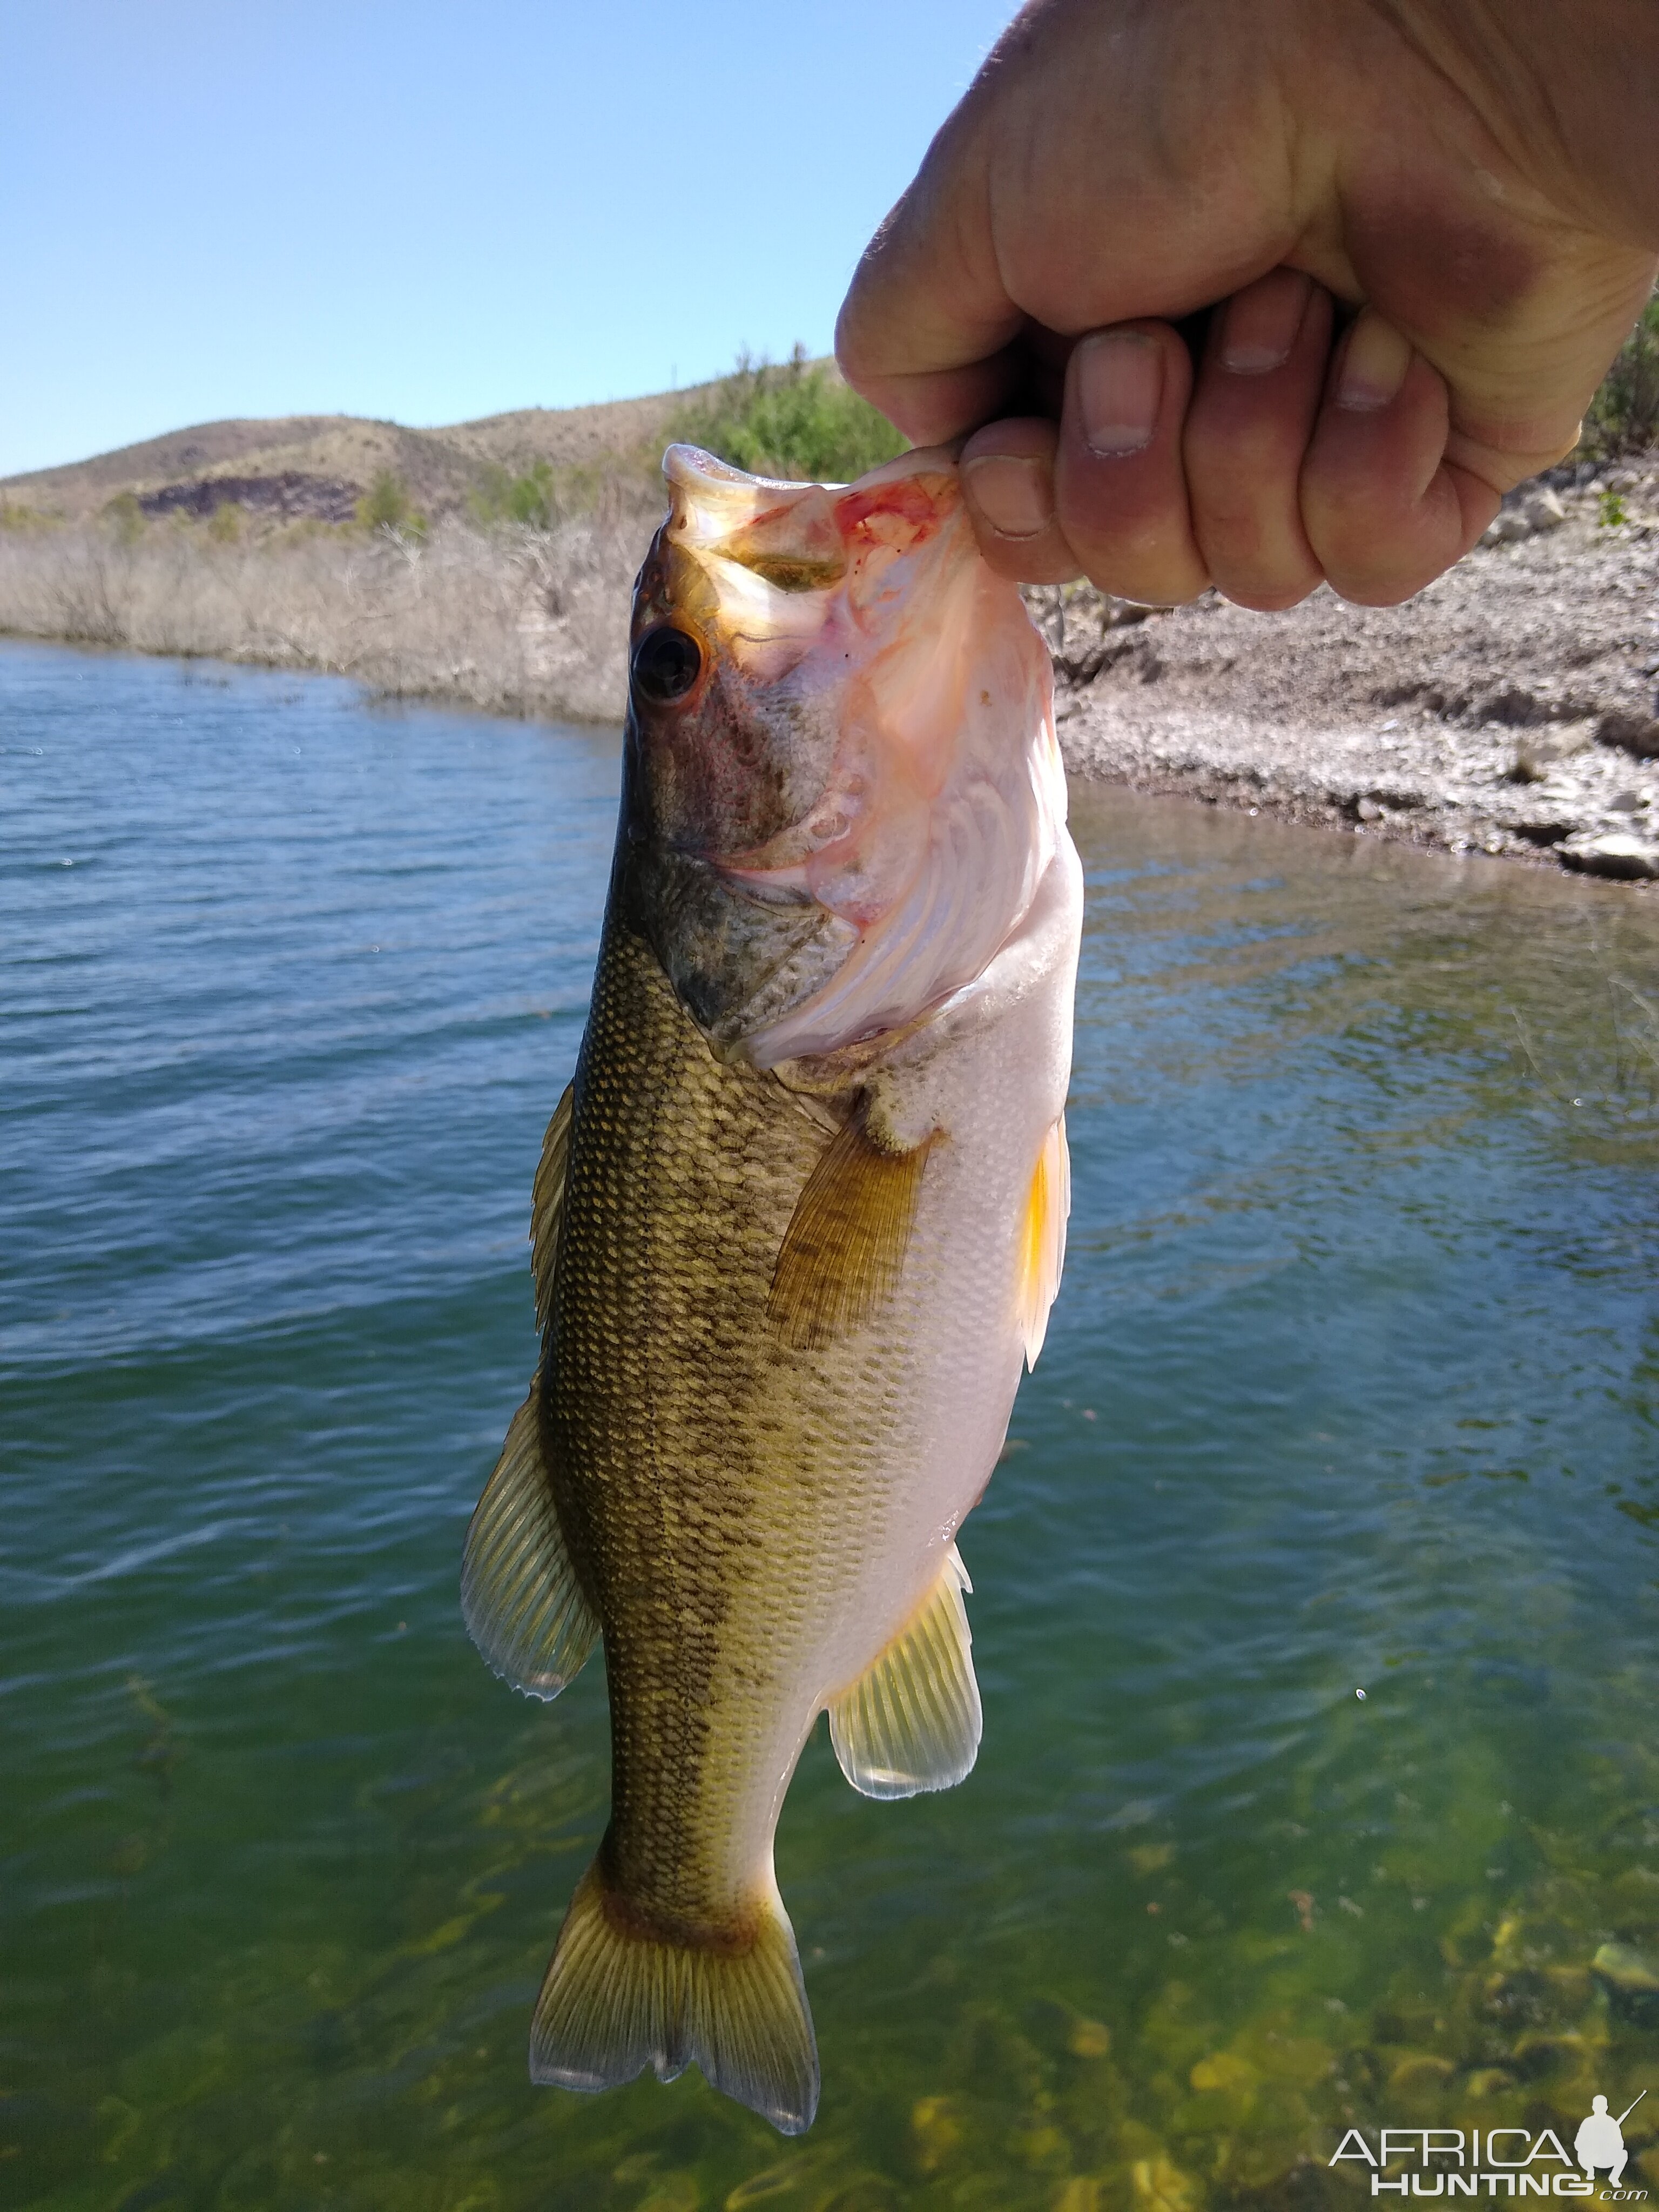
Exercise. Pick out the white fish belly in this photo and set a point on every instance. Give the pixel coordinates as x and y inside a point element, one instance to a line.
<point>943,1359</point>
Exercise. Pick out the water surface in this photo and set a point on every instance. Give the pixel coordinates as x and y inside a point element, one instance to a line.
<point>1354,1386</point>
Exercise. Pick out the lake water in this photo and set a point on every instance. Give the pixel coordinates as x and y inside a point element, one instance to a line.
<point>1353,1385</point>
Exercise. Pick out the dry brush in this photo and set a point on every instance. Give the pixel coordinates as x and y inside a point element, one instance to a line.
<point>514,620</point>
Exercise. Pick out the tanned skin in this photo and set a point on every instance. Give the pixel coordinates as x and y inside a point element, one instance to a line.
<point>1424,228</point>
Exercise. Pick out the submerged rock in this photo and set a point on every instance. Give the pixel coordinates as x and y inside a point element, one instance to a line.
<point>1084,2192</point>
<point>1487,2082</point>
<point>1630,1980</point>
<point>1225,2072</point>
<point>1419,2070</point>
<point>1627,1970</point>
<point>1156,2185</point>
<point>935,2132</point>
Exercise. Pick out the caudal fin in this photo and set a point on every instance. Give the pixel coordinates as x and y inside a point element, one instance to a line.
<point>617,2000</point>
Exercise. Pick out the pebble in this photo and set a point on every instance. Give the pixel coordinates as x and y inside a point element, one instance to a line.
<point>1615,854</point>
<point>1539,510</point>
<point>1539,752</point>
<point>1635,732</point>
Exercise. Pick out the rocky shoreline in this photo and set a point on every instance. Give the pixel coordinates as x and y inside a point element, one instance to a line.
<point>1512,708</point>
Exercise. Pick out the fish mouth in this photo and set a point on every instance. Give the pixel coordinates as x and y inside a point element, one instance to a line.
<point>764,563</point>
<point>880,749</point>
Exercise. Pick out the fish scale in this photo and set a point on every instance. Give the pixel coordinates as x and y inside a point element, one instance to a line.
<point>688,1453</point>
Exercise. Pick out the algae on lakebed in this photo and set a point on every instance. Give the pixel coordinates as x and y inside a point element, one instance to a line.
<point>1353,1385</point>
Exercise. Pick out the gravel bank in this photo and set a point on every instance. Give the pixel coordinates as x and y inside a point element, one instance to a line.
<point>1511,708</point>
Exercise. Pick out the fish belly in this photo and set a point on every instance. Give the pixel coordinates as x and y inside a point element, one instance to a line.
<point>993,1082</point>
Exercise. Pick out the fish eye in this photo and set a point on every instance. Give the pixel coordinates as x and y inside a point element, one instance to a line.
<point>667,662</point>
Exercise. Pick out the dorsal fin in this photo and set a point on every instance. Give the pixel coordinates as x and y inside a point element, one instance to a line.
<point>523,1606</point>
<point>913,1721</point>
<point>547,1205</point>
<point>843,1251</point>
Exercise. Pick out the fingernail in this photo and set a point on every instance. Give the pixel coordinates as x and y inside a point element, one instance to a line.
<point>1119,386</point>
<point>1262,323</point>
<point>1374,359</point>
<point>1012,494</point>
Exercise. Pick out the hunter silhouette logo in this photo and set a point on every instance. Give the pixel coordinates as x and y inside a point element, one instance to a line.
<point>1600,2141</point>
<point>1506,2162</point>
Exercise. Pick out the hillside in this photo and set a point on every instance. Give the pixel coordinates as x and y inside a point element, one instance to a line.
<point>490,560</point>
<point>320,465</point>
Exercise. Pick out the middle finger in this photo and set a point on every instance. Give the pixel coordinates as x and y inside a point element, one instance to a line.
<point>1120,487</point>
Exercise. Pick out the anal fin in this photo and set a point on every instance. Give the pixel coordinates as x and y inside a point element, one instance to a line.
<point>619,1997</point>
<point>523,1606</point>
<point>843,1252</point>
<point>1042,1239</point>
<point>913,1721</point>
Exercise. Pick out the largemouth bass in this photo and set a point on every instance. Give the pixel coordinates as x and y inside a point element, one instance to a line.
<point>798,1220</point>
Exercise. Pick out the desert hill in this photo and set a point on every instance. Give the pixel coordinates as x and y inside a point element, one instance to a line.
<point>321,465</point>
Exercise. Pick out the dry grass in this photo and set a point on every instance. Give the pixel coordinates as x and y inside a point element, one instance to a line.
<point>515,621</point>
<point>1624,415</point>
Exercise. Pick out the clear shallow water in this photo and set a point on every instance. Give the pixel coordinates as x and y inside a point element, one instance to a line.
<point>1354,1383</point>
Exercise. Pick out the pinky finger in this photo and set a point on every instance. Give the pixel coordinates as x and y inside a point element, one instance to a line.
<point>1385,511</point>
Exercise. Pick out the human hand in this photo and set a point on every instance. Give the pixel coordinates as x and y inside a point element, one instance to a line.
<point>1474,177</point>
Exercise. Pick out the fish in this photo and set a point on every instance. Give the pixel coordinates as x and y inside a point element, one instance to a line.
<point>798,1219</point>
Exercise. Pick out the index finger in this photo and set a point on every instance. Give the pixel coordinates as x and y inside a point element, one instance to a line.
<point>927,329</point>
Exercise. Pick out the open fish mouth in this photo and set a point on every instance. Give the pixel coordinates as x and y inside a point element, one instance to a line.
<point>833,701</point>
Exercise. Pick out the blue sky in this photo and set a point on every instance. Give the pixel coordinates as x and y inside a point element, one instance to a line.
<point>425,212</point>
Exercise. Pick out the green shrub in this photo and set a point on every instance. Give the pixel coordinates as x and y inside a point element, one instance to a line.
<point>529,498</point>
<point>125,518</point>
<point>794,419</point>
<point>1624,415</point>
<point>225,522</point>
<point>386,506</point>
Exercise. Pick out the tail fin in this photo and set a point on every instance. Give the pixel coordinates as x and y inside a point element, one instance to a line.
<point>617,2000</point>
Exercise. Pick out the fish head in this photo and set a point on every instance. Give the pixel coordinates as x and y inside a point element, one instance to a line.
<point>842,784</point>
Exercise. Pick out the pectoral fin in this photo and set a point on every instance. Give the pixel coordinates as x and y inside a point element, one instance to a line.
<point>1042,1239</point>
<point>523,1607</point>
<point>913,1722</point>
<point>547,1204</point>
<point>843,1251</point>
